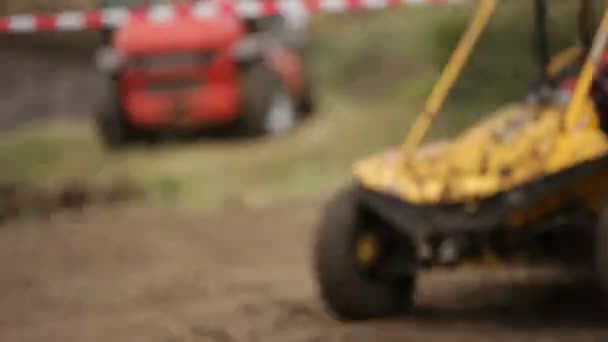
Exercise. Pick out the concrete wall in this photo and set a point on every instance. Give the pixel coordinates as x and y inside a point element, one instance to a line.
<point>41,78</point>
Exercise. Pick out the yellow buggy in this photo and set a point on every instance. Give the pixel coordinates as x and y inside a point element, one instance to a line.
<point>530,182</point>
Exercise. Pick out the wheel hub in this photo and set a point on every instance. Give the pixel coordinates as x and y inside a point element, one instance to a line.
<point>367,250</point>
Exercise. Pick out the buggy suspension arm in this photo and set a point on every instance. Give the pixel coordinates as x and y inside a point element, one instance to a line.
<point>448,78</point>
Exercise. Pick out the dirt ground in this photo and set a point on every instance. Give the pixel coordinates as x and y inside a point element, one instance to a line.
<point>133,274</point>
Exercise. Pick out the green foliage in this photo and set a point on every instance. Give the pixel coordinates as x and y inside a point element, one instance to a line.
<point>370,57</point>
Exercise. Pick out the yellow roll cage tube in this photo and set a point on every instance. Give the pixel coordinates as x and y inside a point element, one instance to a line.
<point>448,78</point>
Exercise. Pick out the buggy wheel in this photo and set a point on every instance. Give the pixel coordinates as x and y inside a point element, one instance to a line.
<point>601,253</point>
<point>113,127</point>
<point>348,254</point>
<point>268,107</point>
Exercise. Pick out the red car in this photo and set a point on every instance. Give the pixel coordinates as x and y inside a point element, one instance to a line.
<point>189,73</point>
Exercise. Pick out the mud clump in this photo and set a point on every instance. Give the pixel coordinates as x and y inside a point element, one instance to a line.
<point>18,200</point>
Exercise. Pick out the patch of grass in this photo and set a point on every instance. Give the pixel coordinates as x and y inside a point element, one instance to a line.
<point>41,152</point>
<point>314,160</point>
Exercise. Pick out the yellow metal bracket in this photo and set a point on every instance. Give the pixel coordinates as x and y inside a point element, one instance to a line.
<point>452,71</point>
<point>583,86</point>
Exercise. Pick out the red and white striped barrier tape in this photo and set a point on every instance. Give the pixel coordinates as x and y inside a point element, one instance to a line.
<point>116,17</point>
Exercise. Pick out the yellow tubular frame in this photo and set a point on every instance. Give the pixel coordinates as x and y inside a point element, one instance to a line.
<point>583,86</point>
<point>563,59</point>
<point>452,71</point>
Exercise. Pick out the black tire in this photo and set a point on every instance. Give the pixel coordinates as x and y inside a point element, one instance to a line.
<point>348,292</point>
<point>260,86</point>
<point>112,124</point>
<point>601,253</point>
<point>307,105</point>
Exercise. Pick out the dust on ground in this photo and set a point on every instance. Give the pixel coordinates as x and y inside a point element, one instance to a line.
<point>133,274</point>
